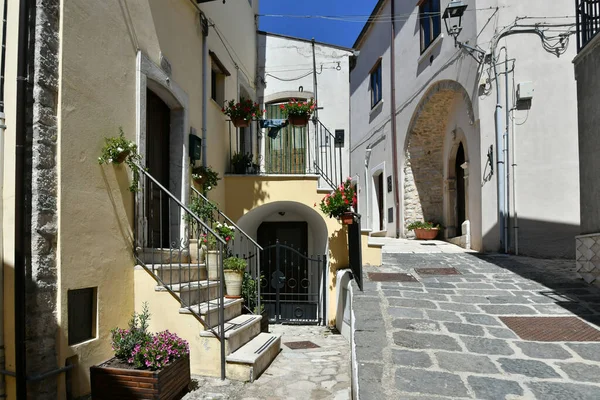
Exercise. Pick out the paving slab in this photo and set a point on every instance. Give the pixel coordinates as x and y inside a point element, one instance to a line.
<point>444,338</point>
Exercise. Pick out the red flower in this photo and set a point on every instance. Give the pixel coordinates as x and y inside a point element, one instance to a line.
<point>227,238</point>
<point>282,106</point>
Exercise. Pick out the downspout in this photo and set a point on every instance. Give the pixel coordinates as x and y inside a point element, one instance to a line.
<point>393,116</point>
<point>2,129</point>
<point>205,56</point>
<point>315,80</point>
<point>20,132</point>
<point>506,144</point>
<point>514,186</point>
<point>500,157</point>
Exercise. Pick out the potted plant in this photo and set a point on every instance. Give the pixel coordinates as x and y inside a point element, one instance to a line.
<point>118,150</point>
<point>241,162</point>
<point>242,113</point>
<point>298,112</point>
<point>424,230</point>
<point>205,177</point>
<point>340,202</point>
<point>159,359</point>
<point>233,273</point>
<point>205,210</point>
<point>250,295</point>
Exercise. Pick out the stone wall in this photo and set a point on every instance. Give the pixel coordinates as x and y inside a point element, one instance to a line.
<point>587,255</point>
<point>42,276</point>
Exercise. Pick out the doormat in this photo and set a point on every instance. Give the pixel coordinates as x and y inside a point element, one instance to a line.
<point>301,345</point>
<point>552,329</point>
<point>390,277</point>
<point>437,271</point>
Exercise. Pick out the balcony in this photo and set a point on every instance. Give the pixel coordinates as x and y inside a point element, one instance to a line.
<point>588,21</point>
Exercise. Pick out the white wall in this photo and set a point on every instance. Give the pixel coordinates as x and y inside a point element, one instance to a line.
<point>288,58</point>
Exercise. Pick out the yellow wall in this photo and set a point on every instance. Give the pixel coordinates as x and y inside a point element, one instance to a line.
<point>245,193</point>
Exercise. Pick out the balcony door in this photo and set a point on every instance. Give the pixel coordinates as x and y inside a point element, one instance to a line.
<point>285,154</point>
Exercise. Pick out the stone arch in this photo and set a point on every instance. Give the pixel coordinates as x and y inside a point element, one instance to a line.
<point>425,181</point>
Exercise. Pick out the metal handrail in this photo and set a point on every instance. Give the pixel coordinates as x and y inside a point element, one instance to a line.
<point>329,165</point>
<point>221,213</point>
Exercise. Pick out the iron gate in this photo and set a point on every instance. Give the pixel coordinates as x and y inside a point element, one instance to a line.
<point>293,285</point>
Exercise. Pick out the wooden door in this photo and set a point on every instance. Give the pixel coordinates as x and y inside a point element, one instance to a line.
<point>285,154</point>
<point>158,127</point>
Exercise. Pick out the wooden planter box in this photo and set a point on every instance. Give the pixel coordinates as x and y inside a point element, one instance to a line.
<point>114,383</point>
<point>426,234</point>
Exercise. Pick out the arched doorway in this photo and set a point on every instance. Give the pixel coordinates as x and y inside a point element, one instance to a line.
<point>435,190</point>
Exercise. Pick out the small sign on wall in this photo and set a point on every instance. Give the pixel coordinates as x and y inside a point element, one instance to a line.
<point>389,183</point>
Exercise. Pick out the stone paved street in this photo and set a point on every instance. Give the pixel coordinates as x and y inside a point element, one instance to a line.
<point>441,337</point>
<point>319,373</point>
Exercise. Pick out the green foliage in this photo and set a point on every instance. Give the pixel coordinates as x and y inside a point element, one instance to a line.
<point>235,264</point>
<point>125,341</point>
<point>209,241</point>
<point>245,109</point>
<point>250,293</point>
<point>422,225</point>
<point>205,210</point>
<point>298,108</point>
<point>241,162</point>
<point>205,177</point>
<point>117,150</point>
<point>340,200</point>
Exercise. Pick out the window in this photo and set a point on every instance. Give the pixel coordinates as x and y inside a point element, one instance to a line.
<point>82,315</point>
<point>431,22</point>
<point>376,84</point>
<point>218,73</point>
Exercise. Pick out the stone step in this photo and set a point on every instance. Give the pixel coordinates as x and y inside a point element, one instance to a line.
<point>209,311</point>
<point>251,360</point>
<point>179,273</point>
<point>163,256</point>
<point>196,292</point>
<point>238,331</point>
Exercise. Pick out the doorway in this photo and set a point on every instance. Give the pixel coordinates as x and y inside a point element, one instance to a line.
<point>460,189</point>
<point>158,127</point>
<point>285,153</point>
<point>379,201</point>
<point>291,283</point>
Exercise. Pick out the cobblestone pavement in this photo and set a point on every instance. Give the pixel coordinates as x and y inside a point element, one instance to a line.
<point>319,373</point>
<point>441,337</point>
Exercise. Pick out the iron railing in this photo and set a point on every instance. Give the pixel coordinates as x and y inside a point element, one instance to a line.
<point>241,245</point>
<point>162,235</point>
<point>588,21</point>
<point>312,149</point>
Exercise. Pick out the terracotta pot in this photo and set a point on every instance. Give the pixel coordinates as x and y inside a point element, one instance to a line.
<point>426,234</point>
<point>298,120</point>
<point>347,218</point>
<point>241,123</point>
<point>122,156</point>
<point>114,382</point>
<point>233,283</point>
<point>213,259</point>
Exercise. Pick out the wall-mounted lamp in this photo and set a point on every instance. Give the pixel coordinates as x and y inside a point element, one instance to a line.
<point>456,9</point>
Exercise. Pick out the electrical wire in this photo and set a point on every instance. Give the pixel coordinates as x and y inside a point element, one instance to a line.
<point>228,45</point>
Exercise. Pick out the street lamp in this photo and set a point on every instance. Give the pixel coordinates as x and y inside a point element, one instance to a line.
<point>456,9</point>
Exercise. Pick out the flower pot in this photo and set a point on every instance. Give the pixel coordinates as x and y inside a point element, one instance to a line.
<point>200,181</point>
<point>213,259</point>
<point>426,234</point>
<point>298,120</point>
<point>197,255</point>
<point>122,156</point>
<point>347,218</point>
<point>233,283</point>
<point>113,380</point>
<point>240,122</point>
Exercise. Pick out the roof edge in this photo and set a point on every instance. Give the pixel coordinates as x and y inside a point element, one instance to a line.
<point>369,23</point>
<point>304,40</point>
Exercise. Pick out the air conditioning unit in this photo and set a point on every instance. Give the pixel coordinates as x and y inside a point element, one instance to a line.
<point>525,91</point>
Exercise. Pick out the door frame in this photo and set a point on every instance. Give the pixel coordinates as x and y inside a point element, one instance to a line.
<point>150,76</point>
<point>375,217</point>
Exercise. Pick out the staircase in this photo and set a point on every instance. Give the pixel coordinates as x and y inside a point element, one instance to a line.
<point>184,291</point>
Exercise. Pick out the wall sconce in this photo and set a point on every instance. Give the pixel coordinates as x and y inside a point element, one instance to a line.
<point>456,9</point>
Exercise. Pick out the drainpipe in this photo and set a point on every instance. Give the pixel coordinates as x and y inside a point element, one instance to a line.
<point>500,157</point>
<point>514,186</point>
<point>506,144</point>
<point>205,56</point>
<point>2,129</point>
<point>315,81</point>
<point>393,115</point>
<point>19,268</point>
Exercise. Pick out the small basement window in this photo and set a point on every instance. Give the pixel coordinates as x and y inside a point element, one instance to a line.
<point>82,306</point>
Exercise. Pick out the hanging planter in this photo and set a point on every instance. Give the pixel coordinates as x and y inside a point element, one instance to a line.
<point>298,120</point>
<point>347,218</point>
<point>122,156</point>
<point>240,122</point>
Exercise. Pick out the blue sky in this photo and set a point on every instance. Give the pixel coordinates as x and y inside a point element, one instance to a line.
<point>340,33</point>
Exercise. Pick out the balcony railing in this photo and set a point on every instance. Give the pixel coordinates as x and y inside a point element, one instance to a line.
<point>309,150</point>
<point>588,21</point>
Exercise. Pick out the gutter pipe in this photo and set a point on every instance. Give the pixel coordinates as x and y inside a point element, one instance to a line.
<point>205,56</point>
<point>393,115</point>
<point>2,129</point>
<point>20,132</point>
<point>500,177</point>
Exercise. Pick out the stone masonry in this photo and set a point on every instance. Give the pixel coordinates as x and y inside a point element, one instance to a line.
<point>441,337</point>
<point>587,255</point>
<point>41,300</point>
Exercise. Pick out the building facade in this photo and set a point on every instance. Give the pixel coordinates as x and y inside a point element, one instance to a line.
<point>426,143</point>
